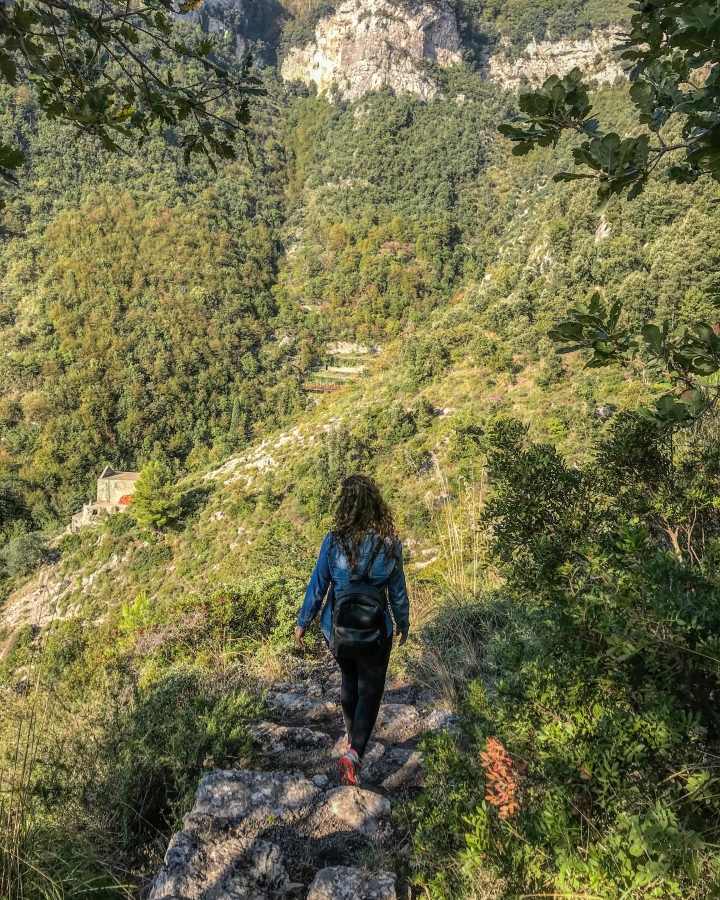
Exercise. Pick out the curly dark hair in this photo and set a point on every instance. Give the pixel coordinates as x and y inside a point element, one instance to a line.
<point>360,509</point>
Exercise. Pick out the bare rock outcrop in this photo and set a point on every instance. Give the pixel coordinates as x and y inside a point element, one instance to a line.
<point>247,796</point>
<point>540,59</point>
<point>365,45</point>
<point>289,829</point>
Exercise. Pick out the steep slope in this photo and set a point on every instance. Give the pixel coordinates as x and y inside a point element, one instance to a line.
<point>224,325</point>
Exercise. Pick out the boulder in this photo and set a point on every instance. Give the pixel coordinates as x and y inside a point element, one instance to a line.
<point>410,773</point>
<point>373,754</point>
<point>441,720</point>
<point>397,722</point>
<point>346,883</point>
<point>361,810</point>
<point>321,780</point>
<point>222,867</point>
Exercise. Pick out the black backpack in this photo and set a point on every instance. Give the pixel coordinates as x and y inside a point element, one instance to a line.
<point>358,616</point>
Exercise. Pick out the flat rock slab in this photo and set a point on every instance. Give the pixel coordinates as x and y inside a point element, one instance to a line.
<point>312,707</point>
<point>361,810</point>
<point>397,722</point>
<point>221,867</point>
<point>441,720</point>
<point>243,794</point>
<point>346,883</point>
<point>280,737</point>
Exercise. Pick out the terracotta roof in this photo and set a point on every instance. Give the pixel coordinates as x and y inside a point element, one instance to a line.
<point>124,476</point>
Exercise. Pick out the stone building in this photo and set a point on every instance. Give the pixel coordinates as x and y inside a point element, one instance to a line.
<point>114,493</point>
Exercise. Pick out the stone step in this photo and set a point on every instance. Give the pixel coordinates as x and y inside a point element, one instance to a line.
<point>278,738</point>
<point>311,707</point>
<point>398,722</point>
<point>222,865</point>
<point>250,796</point>
<point>348,883</point>
<point>361,810</point>
<point>241,837</point>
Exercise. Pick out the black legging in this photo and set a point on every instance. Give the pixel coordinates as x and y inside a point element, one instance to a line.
<point>363,683</point>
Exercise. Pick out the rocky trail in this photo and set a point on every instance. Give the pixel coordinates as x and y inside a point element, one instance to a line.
<point>289,828</point>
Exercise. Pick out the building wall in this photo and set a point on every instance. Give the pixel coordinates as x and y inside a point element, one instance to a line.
<point>110,490</point>
<point>118,489</point>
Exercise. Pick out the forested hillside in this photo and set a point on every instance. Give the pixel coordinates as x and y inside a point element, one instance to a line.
<point>562,551</point>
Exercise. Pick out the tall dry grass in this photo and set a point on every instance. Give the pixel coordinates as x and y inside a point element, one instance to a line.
<point>41,857</point>
<point>24,716</point>
<point>456,515</point>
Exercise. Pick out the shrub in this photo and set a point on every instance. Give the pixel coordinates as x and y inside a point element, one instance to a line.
<point>151,557</point>
<point>69,544</point>
<point>24,553</point>
<point>606,722</point>
<point>164,737</point>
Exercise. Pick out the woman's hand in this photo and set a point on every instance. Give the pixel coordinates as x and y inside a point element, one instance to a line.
<point>299,636</point>
<point>403,635</point>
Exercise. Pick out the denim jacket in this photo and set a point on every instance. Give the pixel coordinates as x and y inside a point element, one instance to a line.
<point>332,571</point>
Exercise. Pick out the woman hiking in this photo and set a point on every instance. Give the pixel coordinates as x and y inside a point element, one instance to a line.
<point>360,568</point>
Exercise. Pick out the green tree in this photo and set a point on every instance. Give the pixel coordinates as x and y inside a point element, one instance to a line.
<point>674,46</point>
<point>154,501</point>
<point>108,69</point>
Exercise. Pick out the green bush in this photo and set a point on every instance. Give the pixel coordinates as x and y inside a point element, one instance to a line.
<point>23,554</point>
<point>164,737</point>
<point>69,544</point>
<point>152,557</point>
<point>608,716</point>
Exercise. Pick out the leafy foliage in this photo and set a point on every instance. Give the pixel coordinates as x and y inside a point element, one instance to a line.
<point>109,72</point>
<point>675,75</point>
<point>672,363</point>
<point>607,728</point>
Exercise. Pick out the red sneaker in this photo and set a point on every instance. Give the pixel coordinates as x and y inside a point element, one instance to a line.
<point>350,766</point>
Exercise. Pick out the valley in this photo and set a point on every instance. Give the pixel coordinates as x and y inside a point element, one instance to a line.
<point>369,289</point>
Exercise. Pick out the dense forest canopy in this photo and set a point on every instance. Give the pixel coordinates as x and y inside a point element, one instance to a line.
<point>352,222</point>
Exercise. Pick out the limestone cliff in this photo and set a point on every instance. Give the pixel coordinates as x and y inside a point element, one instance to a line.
<point>365,45</point>
<point>594,56</point>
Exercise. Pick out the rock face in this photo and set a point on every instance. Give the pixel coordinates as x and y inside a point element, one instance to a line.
<point>244,794</point>
<point>365,45</point>
<point>594,57</point>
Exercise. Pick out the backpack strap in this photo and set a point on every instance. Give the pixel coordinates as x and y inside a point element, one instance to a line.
<point>371,562</point>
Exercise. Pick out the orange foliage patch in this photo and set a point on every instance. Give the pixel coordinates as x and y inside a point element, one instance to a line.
<point>503,778</point>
